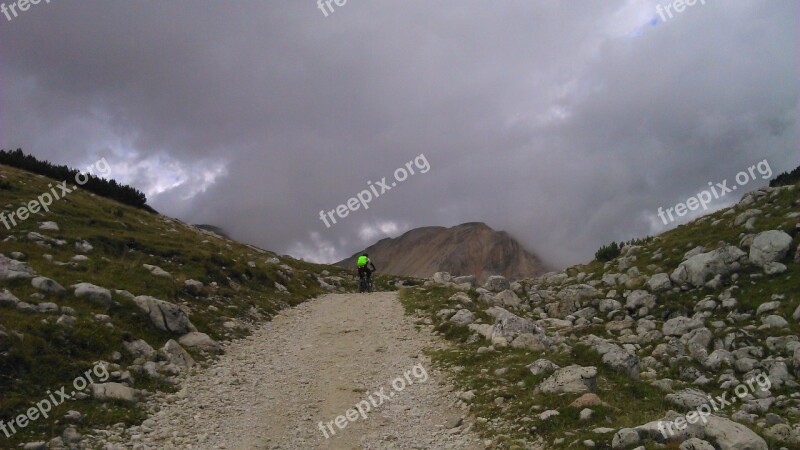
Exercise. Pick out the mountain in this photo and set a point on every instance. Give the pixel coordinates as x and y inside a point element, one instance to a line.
<point>467,249</point>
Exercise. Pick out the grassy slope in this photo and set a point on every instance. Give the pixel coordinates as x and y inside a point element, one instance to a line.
<point>124,238</point>
<point>513,424</point>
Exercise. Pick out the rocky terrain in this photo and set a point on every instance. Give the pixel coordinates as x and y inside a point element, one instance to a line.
<point>696,332</point>
<point>468,249</point>
<point>136,296</point>
<point>690,340</point>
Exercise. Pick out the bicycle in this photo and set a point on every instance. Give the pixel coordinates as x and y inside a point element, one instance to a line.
<point>365,283</point>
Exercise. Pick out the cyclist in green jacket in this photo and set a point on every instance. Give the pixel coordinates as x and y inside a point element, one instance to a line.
<point>364,265</point>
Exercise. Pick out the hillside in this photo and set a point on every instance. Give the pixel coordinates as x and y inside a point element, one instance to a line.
<point>467,249</point>
<point>637,352</point>
<point>133,297</point>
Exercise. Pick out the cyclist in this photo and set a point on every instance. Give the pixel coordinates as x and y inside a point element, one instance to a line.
<point>364,264</point>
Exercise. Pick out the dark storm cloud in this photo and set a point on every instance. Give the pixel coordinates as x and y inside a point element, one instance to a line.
<point>567,124</point>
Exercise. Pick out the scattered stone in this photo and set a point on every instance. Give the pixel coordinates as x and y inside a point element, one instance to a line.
<point>47,285</point>
<point>588,399</point>
<point>699,268</point>
<point>173,353</point>
<point>95,294</point>
<point>200,341</point>
<point>48,226</point>
<point>11,269</point>
<point>571,379</point>
<point>441,277</point>
<point>193,287</point>
<point>497,283</point>
<point>164,315</point>
<point>769,246</point>
<point>659,282</point>
<point>140,349</point>
<point>83,247</point>
<point>542,366</point>
<point>157,271</point>
<point>463,317</point>
<point>112,391</point>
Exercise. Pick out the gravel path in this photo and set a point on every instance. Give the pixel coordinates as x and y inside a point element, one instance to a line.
<point>311,364</point>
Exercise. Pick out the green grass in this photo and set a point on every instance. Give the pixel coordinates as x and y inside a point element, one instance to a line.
<point>513,423</point>
<point>124,238</point>
<point>517,414</point>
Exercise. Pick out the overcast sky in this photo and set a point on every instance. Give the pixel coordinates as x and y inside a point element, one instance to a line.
<point>567,124</point>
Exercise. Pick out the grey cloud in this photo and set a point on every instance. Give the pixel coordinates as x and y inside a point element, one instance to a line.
<point>567,124</point>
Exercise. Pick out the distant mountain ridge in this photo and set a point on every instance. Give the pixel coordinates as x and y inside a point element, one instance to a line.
<point>468,249</point>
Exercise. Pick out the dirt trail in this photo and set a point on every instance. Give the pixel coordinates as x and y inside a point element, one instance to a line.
<point>311,364</point>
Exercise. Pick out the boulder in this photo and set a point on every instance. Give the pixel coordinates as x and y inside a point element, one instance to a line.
<point>200,341</point>
<point>462,298</point>
<point>47,285</point>
<point>687,399</point>
<point>497,283</point>
<point>625,438</point>
<point>608,305</point>
<point>697,342</point>
<point>173,353</point>
<point>726,434</point>
<point>94,294</point>
<point>462,317</point>
<point>588,399</point>
<point>48,226</point>
<point>112,391</point>
<point>8,299</point>
<point>140,349</point>
<point>542,366</point>
<point>441,277</point>
<point>774,321</point>
<point>717,359</point>
<point>745,216</point>
<point>679,326</point>
<point>164,315</point>
<point>572,298</point>
<point>157,271</point>
<point>615,356</point>
<point>509,325</point>
<point>507,298</point>
<point>533,342</point>
<point>83,247</point>
<point>571,379</point>
<point>769,246</point>
<point>193,287</point>
<point>700,268</point>
<point>695,444</point>
<point>466,279</point>
<point>774,268</point>
<point>11,269</point>
<point>659,282</point>
<point>47,307</point>
<point>640,298</point>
